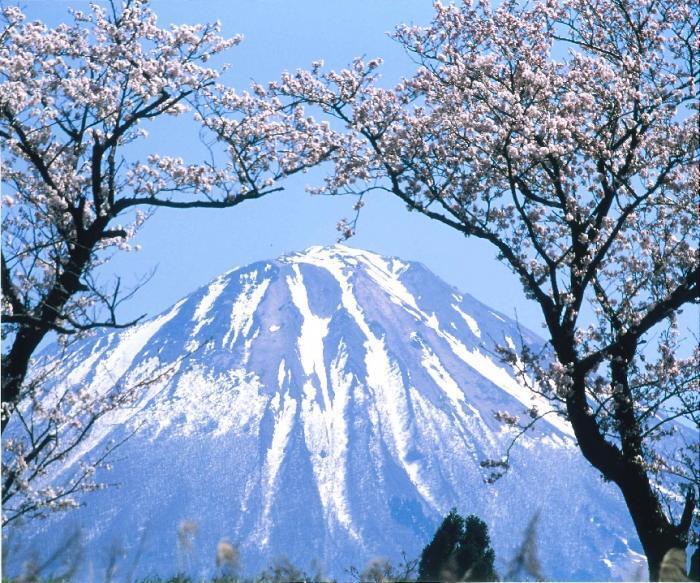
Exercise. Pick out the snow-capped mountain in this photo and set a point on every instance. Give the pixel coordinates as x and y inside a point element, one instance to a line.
<point>329,406</point>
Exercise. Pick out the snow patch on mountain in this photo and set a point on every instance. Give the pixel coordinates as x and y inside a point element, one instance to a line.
<point>241,320</point>
<point>471,322</point>
<point>284,422</point>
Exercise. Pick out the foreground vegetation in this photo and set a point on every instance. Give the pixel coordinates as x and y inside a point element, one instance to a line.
<point>459,551</point>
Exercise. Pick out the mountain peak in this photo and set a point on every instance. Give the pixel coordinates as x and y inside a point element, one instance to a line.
<point>340,252</point>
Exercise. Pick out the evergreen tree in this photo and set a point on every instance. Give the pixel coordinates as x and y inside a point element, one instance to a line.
<point>475,556</point>
<point>460,550</point>
<point>437,553</point>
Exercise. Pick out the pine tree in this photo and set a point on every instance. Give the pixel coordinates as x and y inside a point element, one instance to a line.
<point>475,556</point>
<point>460,550</point>
<point>437,553</point>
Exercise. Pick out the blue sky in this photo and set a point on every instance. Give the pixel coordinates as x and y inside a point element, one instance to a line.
<point>189,248</point>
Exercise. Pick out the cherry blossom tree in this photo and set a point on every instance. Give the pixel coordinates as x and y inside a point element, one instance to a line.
<point>564,133</point>
<point>74,101</point>
<point>53,421</point>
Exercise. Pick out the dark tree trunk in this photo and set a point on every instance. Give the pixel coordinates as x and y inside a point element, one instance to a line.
<point>16,362</point>
<point>656,532</point>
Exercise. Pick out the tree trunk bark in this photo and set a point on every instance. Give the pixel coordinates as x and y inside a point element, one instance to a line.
<point>29,336</point>
<point>656,532</point>
<point>14,365</point>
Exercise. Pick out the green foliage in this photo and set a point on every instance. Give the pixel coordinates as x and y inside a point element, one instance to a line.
<point>436,555</point>
<point>460,551</point>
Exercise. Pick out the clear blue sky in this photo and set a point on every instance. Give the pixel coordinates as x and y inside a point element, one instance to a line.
<point>189,248</point>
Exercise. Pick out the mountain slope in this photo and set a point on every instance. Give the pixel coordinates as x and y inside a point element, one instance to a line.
<point>331,405</point>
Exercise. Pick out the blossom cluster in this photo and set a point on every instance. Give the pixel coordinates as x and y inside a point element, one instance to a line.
<point>72,98</point>
<point>52,421</point>
<point>74,103</point>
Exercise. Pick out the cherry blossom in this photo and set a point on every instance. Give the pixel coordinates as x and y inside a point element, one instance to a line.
<point>76,101</point>
<point>563,132</point>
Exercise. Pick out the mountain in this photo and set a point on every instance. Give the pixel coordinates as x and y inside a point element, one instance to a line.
<point>328,406</point>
